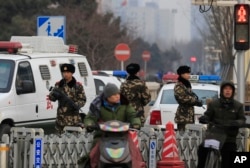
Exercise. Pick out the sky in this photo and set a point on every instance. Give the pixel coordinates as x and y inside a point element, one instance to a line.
<point>183,6</point>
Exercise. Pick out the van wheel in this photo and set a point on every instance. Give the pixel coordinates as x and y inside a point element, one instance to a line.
<point>4,129</point>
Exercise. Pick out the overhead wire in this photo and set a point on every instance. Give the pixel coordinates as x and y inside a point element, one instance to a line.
<point>203,9</point>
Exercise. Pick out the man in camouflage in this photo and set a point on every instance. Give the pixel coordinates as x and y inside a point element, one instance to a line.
<point>186,98</point>
<point>136,90</point>
<point>71,97</point>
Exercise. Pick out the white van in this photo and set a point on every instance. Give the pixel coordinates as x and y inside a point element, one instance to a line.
<point>36,61</point>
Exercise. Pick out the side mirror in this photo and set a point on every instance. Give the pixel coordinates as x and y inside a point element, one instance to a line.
<point>27,86</point>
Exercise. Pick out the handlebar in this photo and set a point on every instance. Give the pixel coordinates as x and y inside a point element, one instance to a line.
<point>228,125</point>
<point>221,123</point>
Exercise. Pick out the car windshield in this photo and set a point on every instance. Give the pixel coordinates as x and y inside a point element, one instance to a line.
<point>168,96</point>
<point>6,73</point>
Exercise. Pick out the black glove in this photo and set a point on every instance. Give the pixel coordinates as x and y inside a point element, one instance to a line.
<point>199,103</point>
<point>56,94</point>
<point>89,129</point>
<point>203,119</point>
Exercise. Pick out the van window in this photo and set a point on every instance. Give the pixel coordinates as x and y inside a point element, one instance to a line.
<point>6,74</point>
<point>83,69</point>
<point>44,70</point>
<point>99,85</point>
<point>24,79</point>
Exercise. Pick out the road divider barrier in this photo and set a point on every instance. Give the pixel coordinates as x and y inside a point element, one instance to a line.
<point>29,147</point>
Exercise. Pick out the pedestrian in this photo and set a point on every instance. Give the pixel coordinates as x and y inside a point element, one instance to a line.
<point>186,99</point>
<point>227,113</point>
<point>109,105</point>
<point>135,90</point>
<point>71,97</point>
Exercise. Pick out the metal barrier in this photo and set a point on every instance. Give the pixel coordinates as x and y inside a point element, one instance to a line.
<point>31,148</point>
<point>26,146</point>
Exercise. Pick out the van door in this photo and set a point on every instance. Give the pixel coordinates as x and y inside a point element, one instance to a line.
<point>25,97</point>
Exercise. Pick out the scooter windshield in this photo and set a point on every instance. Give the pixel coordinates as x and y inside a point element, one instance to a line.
<point>114,126</point>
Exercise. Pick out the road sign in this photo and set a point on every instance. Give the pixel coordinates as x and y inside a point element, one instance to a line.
<point>193,59</point>
<point>122,52</point>
<point>146,55</point>
<point>241,27</point>
<point>51,26</point>
<point>152,153</point>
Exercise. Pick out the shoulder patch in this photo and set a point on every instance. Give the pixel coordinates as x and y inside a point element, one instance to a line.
<point>78,83</point>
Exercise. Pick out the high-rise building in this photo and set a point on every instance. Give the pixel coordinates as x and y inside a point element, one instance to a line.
<point>141,22</point>
<point>164,29</point>
<point>182,23</point>
<point>164,22</point>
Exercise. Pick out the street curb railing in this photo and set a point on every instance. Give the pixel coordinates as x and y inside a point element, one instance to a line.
<point>29,147</point>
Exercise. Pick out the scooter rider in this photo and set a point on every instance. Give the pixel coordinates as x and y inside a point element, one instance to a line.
<point>227,112</point>
<point>110,105</point>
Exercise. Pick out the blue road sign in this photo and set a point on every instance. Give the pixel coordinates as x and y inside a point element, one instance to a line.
<point>152,153</point>
<point>152,145</point>
<point>51,26</point>
<point>38,152</point>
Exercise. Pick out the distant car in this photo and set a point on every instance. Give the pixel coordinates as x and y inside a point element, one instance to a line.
<point>163,109</point>
<point>101,78</point>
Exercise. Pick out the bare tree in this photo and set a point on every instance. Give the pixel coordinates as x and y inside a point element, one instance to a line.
<point>96,35</point>
<point>220,25</point>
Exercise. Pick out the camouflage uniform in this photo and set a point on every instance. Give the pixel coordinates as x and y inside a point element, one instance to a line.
<point>187,100</point>
<point>136,91</point>
<point>67,115</point>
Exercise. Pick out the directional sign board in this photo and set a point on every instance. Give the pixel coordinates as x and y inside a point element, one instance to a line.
<point>38,152</point>
<point>152,153</point>
<point>51,26</point>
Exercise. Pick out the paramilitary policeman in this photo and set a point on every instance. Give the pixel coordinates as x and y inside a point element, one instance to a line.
<point>185,97</point>
<point>71,97</point>
<point>135,90</point>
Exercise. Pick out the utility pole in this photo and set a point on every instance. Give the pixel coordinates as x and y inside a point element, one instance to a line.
<point>241,71</point>
<point>240,52</point>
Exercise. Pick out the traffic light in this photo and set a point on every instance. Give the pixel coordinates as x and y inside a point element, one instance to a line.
<point>241,26</point>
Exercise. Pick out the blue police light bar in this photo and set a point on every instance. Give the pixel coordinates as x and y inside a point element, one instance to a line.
<point>121,74</point>
<point>209,78</point>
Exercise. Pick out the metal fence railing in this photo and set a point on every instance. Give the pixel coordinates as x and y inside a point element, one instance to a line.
<point>30,148</point>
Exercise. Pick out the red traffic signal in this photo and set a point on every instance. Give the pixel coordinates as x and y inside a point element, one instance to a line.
<point>193,59</point>
<point>241,27</point>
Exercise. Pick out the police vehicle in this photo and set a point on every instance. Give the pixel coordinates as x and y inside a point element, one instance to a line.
<point>163,109</point>
<point>101,79</point>
<point>29,66</point>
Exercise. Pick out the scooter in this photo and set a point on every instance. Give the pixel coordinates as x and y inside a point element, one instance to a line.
<point>114,145</point>
<point>213,142</point>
